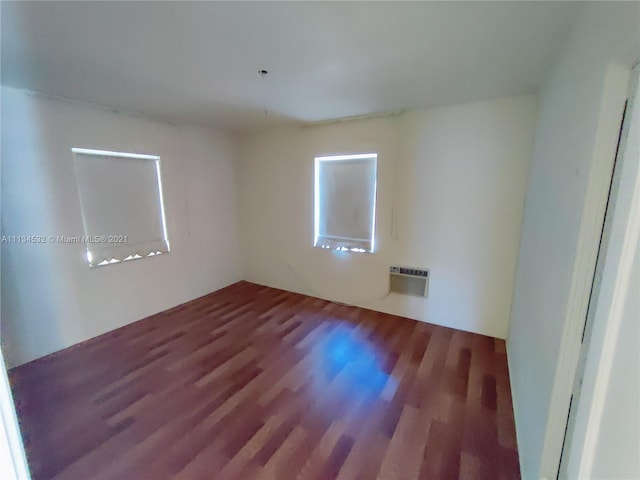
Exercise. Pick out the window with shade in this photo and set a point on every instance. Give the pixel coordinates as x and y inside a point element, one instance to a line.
<point>345,202</point>
<point>122,205</point>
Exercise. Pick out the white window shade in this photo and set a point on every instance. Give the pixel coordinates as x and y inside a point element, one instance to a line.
<point>122,206</point>
<point>345,199</point>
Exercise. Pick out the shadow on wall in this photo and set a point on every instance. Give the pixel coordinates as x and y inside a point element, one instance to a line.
<point>32,253</point>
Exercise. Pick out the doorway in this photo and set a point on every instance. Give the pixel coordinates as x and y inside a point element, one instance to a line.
<point>609,295</point>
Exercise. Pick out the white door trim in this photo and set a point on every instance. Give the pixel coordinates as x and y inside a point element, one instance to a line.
<point>13,463</point>
<point>616,275</point>
<point>606,139</point>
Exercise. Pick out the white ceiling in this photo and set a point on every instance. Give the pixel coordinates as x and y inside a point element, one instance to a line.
<point>198,62</point>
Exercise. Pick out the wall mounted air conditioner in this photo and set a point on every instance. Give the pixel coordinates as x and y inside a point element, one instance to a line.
<point>409,280</point>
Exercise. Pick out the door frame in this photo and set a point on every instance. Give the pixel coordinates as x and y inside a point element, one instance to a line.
<point>615,92</point>
<point>13,462</point>
<point>623,236</point>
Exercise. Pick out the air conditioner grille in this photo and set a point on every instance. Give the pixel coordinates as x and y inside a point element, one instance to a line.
<point>409,281</point>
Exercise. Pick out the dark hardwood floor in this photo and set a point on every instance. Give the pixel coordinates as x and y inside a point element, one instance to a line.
<point>252,382</point>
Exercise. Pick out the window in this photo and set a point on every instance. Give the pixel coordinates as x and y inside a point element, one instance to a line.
<point>345,202</point>
<point>122,207</point>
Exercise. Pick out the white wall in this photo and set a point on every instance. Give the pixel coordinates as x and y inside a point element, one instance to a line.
<point>50,298</point>
<point>603,436</point>
<point>617,451</point>
<point>13,461</point>
<point>579,114</point>
<point>451,185</point>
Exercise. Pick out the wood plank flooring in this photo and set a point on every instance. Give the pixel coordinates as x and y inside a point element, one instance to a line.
<point>251,382</point>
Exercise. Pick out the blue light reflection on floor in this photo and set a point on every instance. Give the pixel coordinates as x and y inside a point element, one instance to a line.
<point>357,360</point>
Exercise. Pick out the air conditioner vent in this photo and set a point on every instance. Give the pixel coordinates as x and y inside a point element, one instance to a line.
<point>409,280</point>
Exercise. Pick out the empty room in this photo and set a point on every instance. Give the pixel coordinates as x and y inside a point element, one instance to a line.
<point>320,240</point>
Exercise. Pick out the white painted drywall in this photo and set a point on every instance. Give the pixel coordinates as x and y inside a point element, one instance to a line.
<point>451,186</point>
<point>617,451</point>
<point>13,461</point>
<point>326,59</point>
<point>603,436</point>
<point>574,139</point>
<point>50,298</point>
